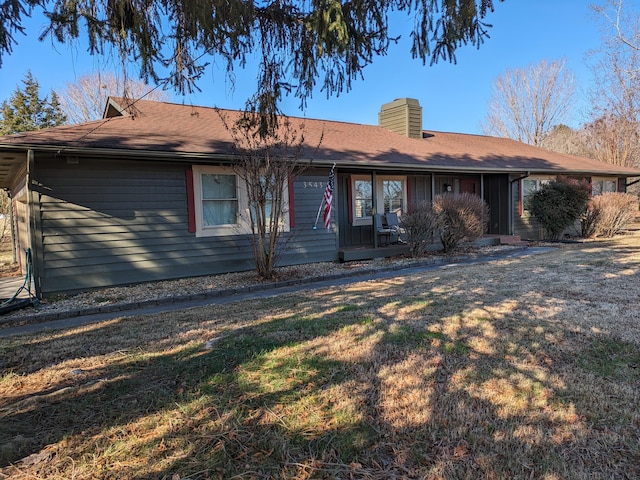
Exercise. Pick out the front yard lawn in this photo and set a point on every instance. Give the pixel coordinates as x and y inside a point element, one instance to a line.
<point>520,368</point>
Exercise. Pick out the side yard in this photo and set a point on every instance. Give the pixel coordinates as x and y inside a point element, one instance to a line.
<point>7,266</point>
<point>521,368</point>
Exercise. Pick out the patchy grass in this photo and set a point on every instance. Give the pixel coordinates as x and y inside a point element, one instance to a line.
<point>522,368</point>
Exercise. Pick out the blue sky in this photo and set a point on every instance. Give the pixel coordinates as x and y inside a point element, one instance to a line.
<point>453,96</point>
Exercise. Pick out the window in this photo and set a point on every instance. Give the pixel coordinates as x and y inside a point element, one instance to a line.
<point>362,199</point>
<point>267,200</point>
<point>390,197</point>
<point>221,205</point>
<point>219,199</point>
<point>529,187</point>
<point>393,196</point>
<point>603,185</point>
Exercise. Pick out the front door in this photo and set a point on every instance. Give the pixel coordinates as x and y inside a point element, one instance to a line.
<point>496,194</point>
<point>470,185</point>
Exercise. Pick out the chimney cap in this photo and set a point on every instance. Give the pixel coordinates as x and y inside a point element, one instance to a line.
<point>402,101</point>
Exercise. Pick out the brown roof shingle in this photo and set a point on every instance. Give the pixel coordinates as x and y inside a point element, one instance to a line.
<point>159,128</point>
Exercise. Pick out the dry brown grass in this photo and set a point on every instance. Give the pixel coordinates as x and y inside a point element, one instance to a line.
<point>523,368</point>
<point>8,268</point>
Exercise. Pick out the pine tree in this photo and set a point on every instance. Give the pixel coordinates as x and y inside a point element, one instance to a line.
<point>26,111</point>
<point>300,46</point>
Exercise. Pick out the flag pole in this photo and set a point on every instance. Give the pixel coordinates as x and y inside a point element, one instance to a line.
<point>315,225</point>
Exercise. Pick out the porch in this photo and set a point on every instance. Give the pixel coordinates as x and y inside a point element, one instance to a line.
<point>366,253</point>
<point>369,252</point>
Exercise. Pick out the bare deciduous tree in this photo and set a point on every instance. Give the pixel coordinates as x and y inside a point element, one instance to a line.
<point>84,100</point>
<point>527,103</point>
<point>265,165</point>
<point>565,139</point>
<point>621,21</point>
<point>613,140</point>
<point>613,134</point>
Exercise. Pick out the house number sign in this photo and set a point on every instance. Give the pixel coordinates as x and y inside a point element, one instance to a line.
<point>318,185</point>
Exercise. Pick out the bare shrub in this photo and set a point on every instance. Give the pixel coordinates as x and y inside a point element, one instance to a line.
<point>421,224</point>
<point>589,221</point>
<point>614,211</point>
<point>460,217</point>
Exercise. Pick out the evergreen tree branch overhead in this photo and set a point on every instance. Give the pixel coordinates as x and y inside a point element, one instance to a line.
<point>300,44</point>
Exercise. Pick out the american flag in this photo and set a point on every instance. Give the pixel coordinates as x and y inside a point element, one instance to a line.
<point>328,200</point>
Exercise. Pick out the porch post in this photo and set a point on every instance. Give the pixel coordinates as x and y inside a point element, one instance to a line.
<point>14,233</point>
<point>433,187</point>
<point>374,199</point>
<point>33,225</point>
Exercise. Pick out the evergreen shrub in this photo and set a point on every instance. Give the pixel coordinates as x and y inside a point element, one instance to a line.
<point>559,204</point>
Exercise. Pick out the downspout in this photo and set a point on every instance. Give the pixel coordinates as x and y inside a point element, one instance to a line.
<point>528,174</point>
<point>32,225</point>
<point>630,184</point>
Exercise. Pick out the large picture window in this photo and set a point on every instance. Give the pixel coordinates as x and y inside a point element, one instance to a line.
<point>221,205</point>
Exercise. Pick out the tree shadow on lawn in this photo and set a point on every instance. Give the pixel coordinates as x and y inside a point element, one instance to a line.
<point>440,389</point>
<point>139,384</point>
<point>533,383</point>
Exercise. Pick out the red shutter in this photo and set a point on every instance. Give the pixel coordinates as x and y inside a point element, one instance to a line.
<point>191,210</point>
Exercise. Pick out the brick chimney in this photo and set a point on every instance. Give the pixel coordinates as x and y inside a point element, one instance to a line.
<point>403,116</point>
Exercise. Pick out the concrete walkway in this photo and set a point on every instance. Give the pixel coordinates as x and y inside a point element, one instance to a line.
<point>79,318</point>
<point>10,285</point>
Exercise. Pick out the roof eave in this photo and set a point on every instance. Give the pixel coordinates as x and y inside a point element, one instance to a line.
<point>184,156</point>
